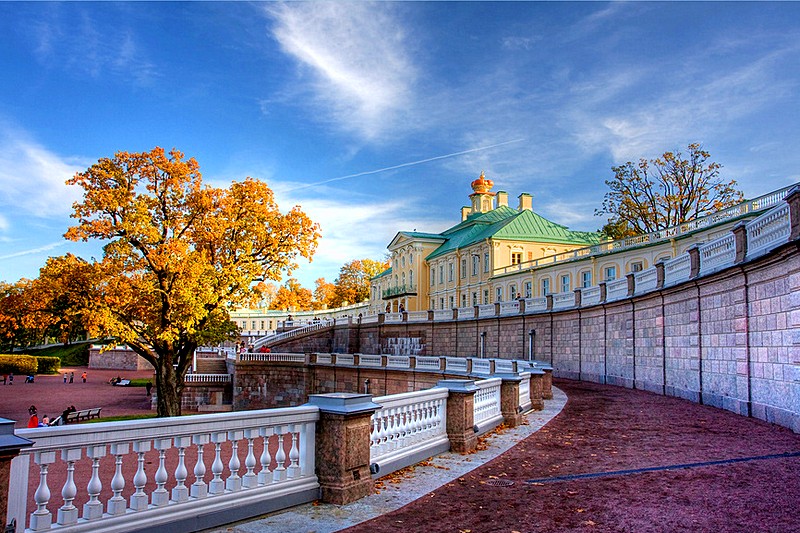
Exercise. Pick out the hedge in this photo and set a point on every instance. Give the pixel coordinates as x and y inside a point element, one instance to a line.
<point>48,365</point>
<point>18,364</point>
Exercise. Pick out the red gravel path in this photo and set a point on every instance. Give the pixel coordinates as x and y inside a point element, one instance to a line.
<point>604,429</point>
<point>51,396</point>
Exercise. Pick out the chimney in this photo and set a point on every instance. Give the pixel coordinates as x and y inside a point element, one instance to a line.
<point>465,212</point>
<point>525,202</point>
<point>502,198</point>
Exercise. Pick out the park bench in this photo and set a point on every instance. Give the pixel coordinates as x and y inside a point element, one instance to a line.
<point>83,414</point>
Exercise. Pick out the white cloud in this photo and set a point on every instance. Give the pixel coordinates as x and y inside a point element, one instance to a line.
<point>33,179</point>
<point>34,251</point>
<point>361,76</point>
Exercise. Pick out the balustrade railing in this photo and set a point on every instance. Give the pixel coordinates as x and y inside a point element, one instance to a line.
<point>677,270</point>
<point>645,281</point>
<point>563,300</point>
<point>370,360</point>
<point>278,445</point>
<point>427,362</point>
<point>486,310</point>
<point>207,378</point>
<point>392,317</point>
<point>398,361</point>
<point>369,319</point>
<point>768,230</point>
<point>590,296</point>
<point>503,366</point>
<point>481,366</point>
<point>717,254</point>
<point>455,364</point>
<point>273,357</point>
<point>525,391</point>
<point>536,305</point>
<point>509,308</point>
<point>487,409</point>
<point>616,289</point>
<point>465,313</point>
<point>443,314</point>
<point>417,316</point>
<point>406,425</point>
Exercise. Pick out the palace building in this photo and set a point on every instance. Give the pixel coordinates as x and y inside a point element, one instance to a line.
<point>456,268</point>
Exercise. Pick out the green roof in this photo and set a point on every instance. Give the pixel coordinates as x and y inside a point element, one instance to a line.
<point>509,224</point>
<point>384,273</point>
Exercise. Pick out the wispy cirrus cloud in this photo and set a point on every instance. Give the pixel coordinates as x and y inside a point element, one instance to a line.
<point>354,56</point>
<point>32,178</point>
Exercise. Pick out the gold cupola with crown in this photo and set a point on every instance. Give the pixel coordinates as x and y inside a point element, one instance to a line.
<point>482,198</point>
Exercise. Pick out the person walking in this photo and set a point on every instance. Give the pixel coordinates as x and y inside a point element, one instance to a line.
<point>33,421</point>
<point>11,378</point>
<point>65,378</point>
<point>71,376</point>
<point>83,376</point>
<point>148,387</point>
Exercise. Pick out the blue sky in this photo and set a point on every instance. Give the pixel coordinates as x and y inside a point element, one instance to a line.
<point>545,97</point>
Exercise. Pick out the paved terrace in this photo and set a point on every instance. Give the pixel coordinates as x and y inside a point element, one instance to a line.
<point>613,459</point>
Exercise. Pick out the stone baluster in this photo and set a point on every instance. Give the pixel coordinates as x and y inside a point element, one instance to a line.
<point>93,509</point>
<point>160,496</point>
<point>264,477</point>
<point>380,418</point>
<point>68,513</point>
<point>217,485</point>
<point>294,455</point>
<point>199,487</point>
<point>139,498</point>
<point>180,492</point>
<point>234,481</point>
<point>117,504</point>
<point>41,518</point>
<point>391,429</point>
<point>279,474</point>
<point>250,479</point>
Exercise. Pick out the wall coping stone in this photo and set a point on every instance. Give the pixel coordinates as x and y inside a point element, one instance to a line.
<point>343,403</point>
<point>458,385</point>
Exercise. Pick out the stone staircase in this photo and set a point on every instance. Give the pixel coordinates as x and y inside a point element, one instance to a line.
<point>211,366</point>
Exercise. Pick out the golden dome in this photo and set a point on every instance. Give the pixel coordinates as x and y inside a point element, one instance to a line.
<point>482,185</point>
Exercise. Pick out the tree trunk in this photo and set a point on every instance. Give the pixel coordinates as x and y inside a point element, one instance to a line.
<point>169,388</point>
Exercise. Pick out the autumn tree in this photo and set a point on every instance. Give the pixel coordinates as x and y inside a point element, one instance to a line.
<point>293,296</point>
<point>14,311</point>
<point>324,294</point>
<point>352,285</point>
<point>179,256</point>
<point>659,193</point>
<point>61,297</point>
<point>265,293</point>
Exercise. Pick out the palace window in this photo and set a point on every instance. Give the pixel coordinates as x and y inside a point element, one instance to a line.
<point>451,272</point>
<point>513,291</point>
<point>463,267</point>
<point>441,303</point>
<point>403,262</point>
<point>530,256</point>
<point>475,262</point>
<point>411,278</point>
<point>545,286</point>
<point>516,258</point>
<point>528,289</point>
<point>486,262</point>
<point>611,273</point>
<point>452,302</point>
<point>586,278</point>
<point>637,266</point>
<point>498,295</point>
<point>463,299</point>
<point>441,275</point>
<point>474,298</point>
<point>565,283</point>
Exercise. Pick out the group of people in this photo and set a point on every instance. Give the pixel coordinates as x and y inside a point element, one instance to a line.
<point>34,421</point>
<point>8,378</point>
<point>71,377</point>
<point>242,347</point>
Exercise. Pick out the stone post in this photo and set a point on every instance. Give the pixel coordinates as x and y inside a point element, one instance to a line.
<point>537,384</point>
<point>549,298</point>
<point>660,275</point>
<point>461,414</point>
<point>509,399</point>
<point>547,381</point>
<point>740,239</point>
<point>578,297</point>
<point>10,446</point>
<point>793,199</point>
<point>694,258</point>
<point>631,277</point>
<point>522,306</point>
<point>603,292</point>
<point>342,446</point>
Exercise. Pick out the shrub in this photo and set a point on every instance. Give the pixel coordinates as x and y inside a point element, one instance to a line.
<point>48,365</point>
<point>18,364</point>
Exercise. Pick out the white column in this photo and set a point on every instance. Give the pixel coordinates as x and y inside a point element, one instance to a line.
<point>160,496</point>
<point>199,487</point>
<point>117,504</point>
<point>41,517</point>
<point>279,474</point>
<point>68,513</point>
<point>250,479</point>
<point>217,486</point>
<point>93,509</point>
<point>139,498</point>
<point>234,482</point>
<point>264,477</point>
<point>180,492</point>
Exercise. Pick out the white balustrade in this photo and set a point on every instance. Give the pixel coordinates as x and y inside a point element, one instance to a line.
<point>590,296</point>
<point>465,313</point>
<point>443,314</point>
<point>509,308</point>
<point>487,410</point>
<point>455,364</point>
<point>616,289</point>
<point>324,358</point>
<point>345,359</point>
<point>563,300</point>
<point>525,391</point>
<point>536,305</point>
<point>371,319</point>
<point>398,361</point>
<point>481,366</point>
<point>769,230</point>
<point>717,254</point>
<point>503,365</point>
<point>207,378</point>
<point>417,316</point>
<point>389,318</point>
<point>486,310</point>
<point>406,425</point>
<point>123,497</point>
<point>427,362</point>
<point>369,360</point>
<point>677,270</point>
<point>645,281</point>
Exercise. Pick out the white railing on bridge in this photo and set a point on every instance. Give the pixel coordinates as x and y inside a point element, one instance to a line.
<point>408,427</point>
<point>645,281</point>
<point>207,378</point>
<point>509,308</point>
<point>314,326</point>
<point>717,254</point>
<point>769,230</point>
<point>616,289</point>
<point>279,445</point>
<point>487,410</point>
